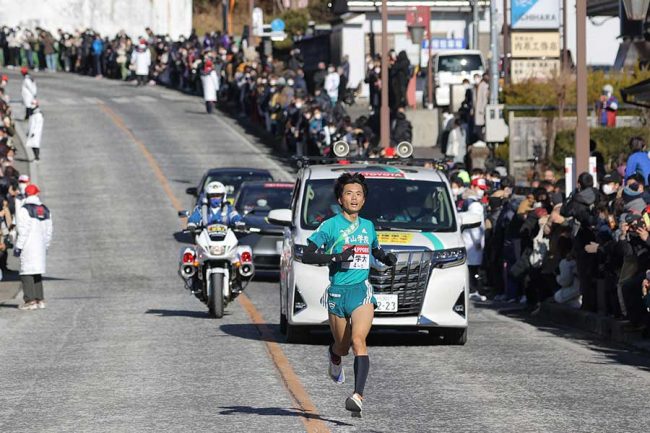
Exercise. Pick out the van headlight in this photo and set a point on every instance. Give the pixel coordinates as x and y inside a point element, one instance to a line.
<point>217,250</point>
<point>448,258</point>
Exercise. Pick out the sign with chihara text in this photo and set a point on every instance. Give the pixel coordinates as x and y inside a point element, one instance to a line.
<point>535,44</point>
<point>535,14</point>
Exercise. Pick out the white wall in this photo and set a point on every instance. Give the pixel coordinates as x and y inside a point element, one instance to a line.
<point>105,16</point>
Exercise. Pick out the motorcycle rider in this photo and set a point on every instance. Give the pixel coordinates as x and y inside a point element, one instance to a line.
<point>219,211</point>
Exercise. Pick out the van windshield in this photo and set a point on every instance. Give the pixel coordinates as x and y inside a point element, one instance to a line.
<point>460,63</point>
<point>396,203</point>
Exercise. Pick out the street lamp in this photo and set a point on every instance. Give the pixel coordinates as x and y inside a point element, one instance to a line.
<point>636,10</point>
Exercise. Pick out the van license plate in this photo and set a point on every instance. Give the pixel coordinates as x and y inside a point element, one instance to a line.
<point>386,303</point>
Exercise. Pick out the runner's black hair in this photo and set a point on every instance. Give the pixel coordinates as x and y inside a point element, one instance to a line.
<point>347,179</point>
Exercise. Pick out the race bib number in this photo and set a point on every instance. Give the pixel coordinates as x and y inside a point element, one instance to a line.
<point>361,258</point>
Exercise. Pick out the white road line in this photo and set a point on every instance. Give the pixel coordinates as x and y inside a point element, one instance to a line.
<point>122,100</point>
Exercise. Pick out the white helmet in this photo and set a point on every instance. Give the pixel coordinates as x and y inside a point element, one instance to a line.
<point>608,88</point>
<point>215,190</point>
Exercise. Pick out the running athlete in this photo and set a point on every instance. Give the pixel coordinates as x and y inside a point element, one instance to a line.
<point>348,240</point>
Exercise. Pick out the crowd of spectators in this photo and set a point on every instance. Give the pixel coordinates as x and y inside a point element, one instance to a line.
<point>12,183</point>
<point>305,109</point>
<point>590,250</point>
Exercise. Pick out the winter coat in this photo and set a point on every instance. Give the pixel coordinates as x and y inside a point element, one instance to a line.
<point>456,144</point>
<point>638,162</point>
<point>34,236</point>
<point>210,82</point>
<point>35,129</point>
<point>142,61</point>
<point>481,102</point>
<point>332,81</point>
<point>475,238</point>
<point>398,80</point>
<point>28,91</point>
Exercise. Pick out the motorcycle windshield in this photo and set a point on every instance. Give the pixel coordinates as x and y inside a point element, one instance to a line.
<point>217,232</point>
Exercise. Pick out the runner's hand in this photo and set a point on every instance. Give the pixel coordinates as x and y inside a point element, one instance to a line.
<point>390,259</point>
<point>344,256</point>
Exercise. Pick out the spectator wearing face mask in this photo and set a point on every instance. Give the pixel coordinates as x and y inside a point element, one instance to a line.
<point>35,131</point>
<point>580,207</point>
<point>332,81</point>
<point>475,238</point>
<point>141,61</point>
<point>210,83</point>
<point>319,77</point>
<point>28,92</point>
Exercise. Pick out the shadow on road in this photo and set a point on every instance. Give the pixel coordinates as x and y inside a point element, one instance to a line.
<point>179,313</point>
<point>321,336</point>
<point>615,353</point>
<point>9,305</point>
<point>277,411</point>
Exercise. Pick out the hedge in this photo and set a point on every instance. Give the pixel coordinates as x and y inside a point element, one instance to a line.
<point>611,142</point>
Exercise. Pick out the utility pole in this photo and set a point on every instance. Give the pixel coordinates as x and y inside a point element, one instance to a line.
<point>224,8</point>
<point>582,127</point>
<point>475,20</point>
<point>429,65</point>
<point>506,44</point>
<point>251,6</point>
<point>384,118</point>
<point>565,51</point>
<point>494,49</point>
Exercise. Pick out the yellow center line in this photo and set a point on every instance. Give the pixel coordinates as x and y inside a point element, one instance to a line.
<point>310,417</point>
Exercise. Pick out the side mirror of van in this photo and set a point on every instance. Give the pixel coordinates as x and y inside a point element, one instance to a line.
<point>280,217</point>
<point>469,220</point>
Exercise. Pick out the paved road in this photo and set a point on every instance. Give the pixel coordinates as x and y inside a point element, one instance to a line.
<point>123,348</point>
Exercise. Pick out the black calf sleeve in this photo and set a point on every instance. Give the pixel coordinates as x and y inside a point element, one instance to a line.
<point>361,368</point>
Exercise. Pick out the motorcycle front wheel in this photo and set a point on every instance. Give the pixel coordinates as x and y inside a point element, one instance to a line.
<point>215,297</point>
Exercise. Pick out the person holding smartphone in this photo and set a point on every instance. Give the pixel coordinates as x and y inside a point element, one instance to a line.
<point>348,241</point>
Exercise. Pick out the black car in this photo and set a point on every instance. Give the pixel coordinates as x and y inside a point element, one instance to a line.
<point>254,201</point>
<point>231,177</point>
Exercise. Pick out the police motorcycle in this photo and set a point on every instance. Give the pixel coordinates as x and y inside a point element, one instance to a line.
<point>216,269</point>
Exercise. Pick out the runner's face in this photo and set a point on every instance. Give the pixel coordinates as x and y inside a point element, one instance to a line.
<point>352,199</point>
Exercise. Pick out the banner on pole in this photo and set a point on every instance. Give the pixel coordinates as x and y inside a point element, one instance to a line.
<point>535,14</point>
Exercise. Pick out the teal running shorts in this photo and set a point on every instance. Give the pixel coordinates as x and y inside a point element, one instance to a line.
<point>343,300</point>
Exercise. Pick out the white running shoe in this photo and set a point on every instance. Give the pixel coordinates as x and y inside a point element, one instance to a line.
<point>31,305</point>
<point>354,403</point>
<point>335,372</point>
<point>40,304</point>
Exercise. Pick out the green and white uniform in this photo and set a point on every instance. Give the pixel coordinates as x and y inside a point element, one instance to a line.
<point>349,287</point>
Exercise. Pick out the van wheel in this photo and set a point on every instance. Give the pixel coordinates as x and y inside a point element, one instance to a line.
<point>296,334</point>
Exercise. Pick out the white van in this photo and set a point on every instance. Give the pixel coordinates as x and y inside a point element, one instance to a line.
<point>452,67</point>
<point>415,217</point>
